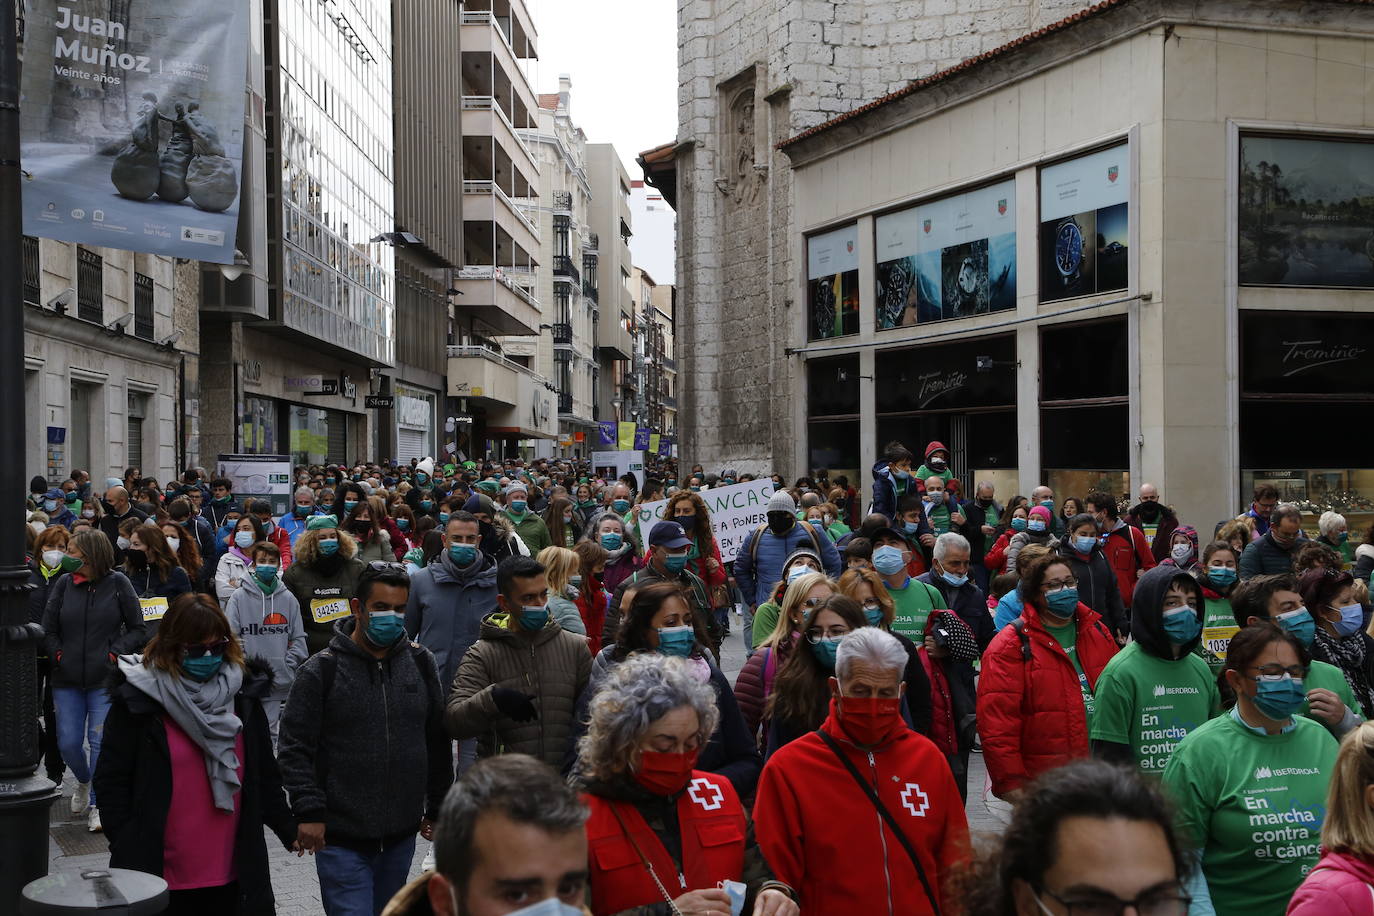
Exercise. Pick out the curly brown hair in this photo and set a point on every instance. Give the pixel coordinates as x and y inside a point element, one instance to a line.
<point>702,535</point>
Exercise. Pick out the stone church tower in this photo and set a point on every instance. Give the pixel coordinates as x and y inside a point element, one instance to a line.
<point>752,73</point>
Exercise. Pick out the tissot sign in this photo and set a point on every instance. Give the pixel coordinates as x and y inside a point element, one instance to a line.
<point>1302,353</point>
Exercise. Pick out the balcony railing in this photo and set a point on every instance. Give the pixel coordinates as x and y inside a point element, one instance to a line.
<point>490,355</point>
<point>669,402</point>
<point>486,186</point>
<point>562,333</point>
<point>562,201</point>
<point>487,103</point>
<point>670,364</point>
<point>32,273</point>
<point>592,245</point>
<point>500,275</point>
<point>563,267</point>
<point>565,402</point>
<point>589,292</point>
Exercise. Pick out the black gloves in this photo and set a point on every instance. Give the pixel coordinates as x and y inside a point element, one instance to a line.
<point>514,704</point>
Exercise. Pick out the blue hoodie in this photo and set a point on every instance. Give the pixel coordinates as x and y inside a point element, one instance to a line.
<point>888,491</point>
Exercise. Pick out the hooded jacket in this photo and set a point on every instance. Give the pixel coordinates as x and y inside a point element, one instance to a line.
<point>1339,885</point>
<point>270,628</point>
<point>86,623</point>
<point>446,607</point>
<point>1166,523</point>
<point>758,571</point>
<point>551,666</point>
<point>926,471</point>
<point>1097,586</point>
<point>323,585</point>
<point>370,757</point>
<point>134,782</point>
<point>1030,711</point>
<point>885,491</point>
<point>1128,554</point>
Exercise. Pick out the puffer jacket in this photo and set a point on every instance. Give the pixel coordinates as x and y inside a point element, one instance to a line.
<point>446,607</point>
<point>623,564</point>
<point>552,666</point>
<point>1030,712</point>
<point>318,582</point>
<point>86,623</point>
<point>756,579</point>
<point>1128,554</point>
<point>1021,538</point>
<point>230,573</point>
<point>1265,557</point>
<point>1097,587</point>
<point>1339,885</point>
<point>885,497</point>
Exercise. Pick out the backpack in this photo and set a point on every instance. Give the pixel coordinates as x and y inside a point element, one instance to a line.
<point>754,543</point>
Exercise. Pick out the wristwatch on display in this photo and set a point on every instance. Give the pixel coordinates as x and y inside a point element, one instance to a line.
<point>1068,250</point>
<point>968,282</point>
<point>824,305</point>
<point>892,303</point>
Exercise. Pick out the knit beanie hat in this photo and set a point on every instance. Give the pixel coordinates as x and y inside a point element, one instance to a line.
<point>1040,512</point>
<point>425,467</point>
<point>782,501</point>
<point>480,502</point>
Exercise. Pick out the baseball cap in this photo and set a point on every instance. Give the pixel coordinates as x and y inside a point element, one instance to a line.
<point>668,534</point>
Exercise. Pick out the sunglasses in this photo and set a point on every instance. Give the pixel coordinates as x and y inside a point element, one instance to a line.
<point>199,650</point>
<point>383,566</point>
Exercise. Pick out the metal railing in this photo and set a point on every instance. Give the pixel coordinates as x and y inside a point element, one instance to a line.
<point>500,275</point>
<point>562,201</point>
<point>487,353</point>
<point>488,103</point>
<point>565,402</point>
<point>487,186</point>
<point>32,274</point>
<point>563,267</point>
<point>562,333</point>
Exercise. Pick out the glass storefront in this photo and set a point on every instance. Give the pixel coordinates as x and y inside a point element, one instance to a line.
<point>832,287</point>
<point>832,410</point>
<point>1085,407</point>
<point>316,436</point>
<point>261,429</point>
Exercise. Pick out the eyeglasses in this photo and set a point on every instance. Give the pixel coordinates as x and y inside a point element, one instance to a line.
<point>1057,584</point>
<point>1276,672</point>
<point>197,650</point>
<point>810,603</point>
<point>1154,903</point>
<point>814,635</point>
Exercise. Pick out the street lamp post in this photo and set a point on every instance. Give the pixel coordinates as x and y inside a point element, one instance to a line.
<point>24,796</point>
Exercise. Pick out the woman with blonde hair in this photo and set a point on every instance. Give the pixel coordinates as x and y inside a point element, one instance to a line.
<point>560,565</point>
<point>1342,879</point>
<point>1238,533</point>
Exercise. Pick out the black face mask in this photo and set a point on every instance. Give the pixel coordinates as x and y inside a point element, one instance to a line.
<point>1148,511</point>
<point>781,522</point>
<point>688,522</point>
<point>984,502</point>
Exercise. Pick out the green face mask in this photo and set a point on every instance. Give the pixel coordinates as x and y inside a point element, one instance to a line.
<point>70,564</point>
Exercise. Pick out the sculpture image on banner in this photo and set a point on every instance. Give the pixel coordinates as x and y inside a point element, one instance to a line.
<point>949,258</point>
<point>832,271</point>
<point>132,127</point>
<point>1306,212</point>
<point>1085,225</point>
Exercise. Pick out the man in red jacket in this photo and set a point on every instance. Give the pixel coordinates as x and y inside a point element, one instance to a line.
<point>818,827</point>
<point>1125,547</point>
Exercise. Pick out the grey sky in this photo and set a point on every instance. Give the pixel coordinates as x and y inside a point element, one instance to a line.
<point>622,57</point>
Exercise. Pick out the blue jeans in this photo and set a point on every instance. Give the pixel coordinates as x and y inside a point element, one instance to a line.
<point>360,883</point>
<point>80,722</point>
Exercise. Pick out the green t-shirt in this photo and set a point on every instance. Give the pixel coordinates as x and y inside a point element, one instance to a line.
<point>939,519</point>
<point>1327,677</point>
<point>1067,637</point>
<point>1218,626</point>
<point>914,600</point>
<point>1151,703</point>
<point>1254,804</point>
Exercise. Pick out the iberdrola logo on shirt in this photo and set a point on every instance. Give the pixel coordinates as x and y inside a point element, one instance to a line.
<point>1161,690</point>
<point>1268,773</point>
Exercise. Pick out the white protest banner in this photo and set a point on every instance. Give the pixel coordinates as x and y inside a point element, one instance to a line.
<point>735,511</point>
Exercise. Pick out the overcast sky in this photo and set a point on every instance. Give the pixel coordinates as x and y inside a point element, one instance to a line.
<point>622,57</point>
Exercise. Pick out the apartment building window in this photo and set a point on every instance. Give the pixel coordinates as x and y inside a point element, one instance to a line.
<point>143,306</point>
<point>90,286</point>
<point>133,445</point>
<point>32,277</point>
<point>562,227</point>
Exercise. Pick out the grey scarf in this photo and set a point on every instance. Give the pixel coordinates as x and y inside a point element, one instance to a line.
<point>204,711</point>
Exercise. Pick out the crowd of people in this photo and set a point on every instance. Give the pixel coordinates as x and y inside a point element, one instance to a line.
<point>510,660</point>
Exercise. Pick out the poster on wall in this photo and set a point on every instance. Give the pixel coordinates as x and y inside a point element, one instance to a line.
<point>950,258</point>
<point>259,477</point>
<point>132,126</point>
<point>1306,212</point>
<point>1084,225</point>
<point>832,287</point>
<point>614,465</point>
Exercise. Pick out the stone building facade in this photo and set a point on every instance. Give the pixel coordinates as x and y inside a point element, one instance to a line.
<point>752,74</point>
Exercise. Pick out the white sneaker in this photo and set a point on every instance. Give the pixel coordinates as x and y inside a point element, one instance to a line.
<point>93,821</point>
<point>81,798</point>
<point>427,864</point>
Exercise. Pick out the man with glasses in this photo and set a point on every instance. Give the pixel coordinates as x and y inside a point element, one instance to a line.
<point>669,549</point>
<point>1261,507</point>
<point>1272,553</point>
<point>364,756</point>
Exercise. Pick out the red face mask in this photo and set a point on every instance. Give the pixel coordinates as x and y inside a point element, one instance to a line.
<point>665,773</point>
<point>869,721</point>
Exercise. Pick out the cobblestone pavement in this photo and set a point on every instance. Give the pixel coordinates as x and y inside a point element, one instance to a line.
<point>71,847</point>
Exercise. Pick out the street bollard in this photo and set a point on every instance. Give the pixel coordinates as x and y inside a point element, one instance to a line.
<point>110,891</point>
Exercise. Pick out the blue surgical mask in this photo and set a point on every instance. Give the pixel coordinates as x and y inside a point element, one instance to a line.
<point>911,527</point>
<point>403,524</point>
<point>266,573</point>
<point>1352,617</point>
<point>350,505</point>
<point>676,641</point>
<point>796,572</point>
<point>873,613</point>
<point>268,527</point>
<point>952,579</point>
<point>1018,524</point>
<point>329,546</point>
<point>462,554</point>
<point>1084,545</point>
<point>244,539</point>
<point>1047,503</point>
<point>1280,699</point>
<point>1036,525</point>
<point>1221,575</point>
<point>935,497</point>
<point>902,475</point>
<point>825,649</point>
<point>304,511</point>
<point>534,618</point>
<point>1181,625</point>
<point>426,504</point>
<point>611,541</point>
<point>443,518</point>
<point>1062,603</point>
<point>49,505</point>
<point>620,506</point>
<point>888,560</point>
<point>517,506</point>
<point>1299,624</point>
<point>202,668</point>
<point>675,562</point>
<point>384,628</point>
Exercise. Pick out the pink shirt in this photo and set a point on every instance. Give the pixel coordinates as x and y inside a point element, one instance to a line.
<point>198,840</point>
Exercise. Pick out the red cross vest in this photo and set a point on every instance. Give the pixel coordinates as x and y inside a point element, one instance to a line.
<point>712,827</point>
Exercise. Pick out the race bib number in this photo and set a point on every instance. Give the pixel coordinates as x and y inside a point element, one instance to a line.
<point>326,610</point>
<point>153,608</point>
<point>1216,639</point>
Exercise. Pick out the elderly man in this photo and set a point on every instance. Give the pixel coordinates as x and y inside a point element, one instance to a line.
<point>1044,496</point>
<point>294,522</point>
<point>1273,553</point>
<point>526,523</point>
<point>117,509</point>
<point>1155,520</point>
<point>888,829</point>
<point>949,574</point>
<point>982,514</point>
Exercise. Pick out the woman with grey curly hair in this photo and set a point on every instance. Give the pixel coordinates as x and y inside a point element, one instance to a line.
<point>656,821</point>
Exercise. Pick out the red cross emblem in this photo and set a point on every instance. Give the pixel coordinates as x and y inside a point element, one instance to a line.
<point>911,795</point>
<point>706,793</point>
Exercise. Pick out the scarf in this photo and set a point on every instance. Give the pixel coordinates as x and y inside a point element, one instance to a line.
<point>1348,655</point>
<point>204,711</point>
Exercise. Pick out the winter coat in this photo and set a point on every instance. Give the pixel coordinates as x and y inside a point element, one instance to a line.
<point>323,586</point>
<point>702,569</point>
<point>1342,548</point>
<point>149,583</point>
<point>294,525</point>
<point>757,575</point>
<point>754,684</point>
<point>230,573</point>
<point>446,606</point>
<point>1364,562</point>
<point>500,542</point>
<point>270,628</point>
<point>134,781</point>
<point>968,602</point>
<point>1128,554</point>
<point>532,530</point>
<point>281,539</point>
<point>996,558</point>
<point>1166,525</point>
<point>591,606</point>
<point>972,528</point>
<point>551,666</point>
<point>40,580</point>
<point>885,495</point>
<point>1097,587</point>
<point>377,548</point>
<point>218,512</point>
<point>621,568</point>
<point>86,624</point>
<point>368,757</point>
<point>694,588</point>
<point>1339,885</point>
<point>1265,556</point>
<point>563,608</point>
<point>1030,713</point>
<point>1020,539</point>
<point>109,526</point>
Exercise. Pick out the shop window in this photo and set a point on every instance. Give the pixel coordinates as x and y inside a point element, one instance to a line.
<point>832,386</point>
<point>949,258</point>
<point>832,273</point>
<point>1085,225</point>
<point>1085,407</point>
<point>834,445</point>
<point>1305,212</point>
<point>259,426</point>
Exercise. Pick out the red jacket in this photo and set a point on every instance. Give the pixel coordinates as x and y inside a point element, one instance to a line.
<point>996,558</point>
<point>1339,885</point>
<point>1128,554</point>
<point>711,829</point>
<point>1030,713</point>
<point>280,538</point>
<point>823,837</point>
<point>591,604</point>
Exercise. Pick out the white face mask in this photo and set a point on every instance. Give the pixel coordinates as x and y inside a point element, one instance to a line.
<point>174,544</point>
<point>1181,552</point>
<point>51,558</point>
<point>123,543</point>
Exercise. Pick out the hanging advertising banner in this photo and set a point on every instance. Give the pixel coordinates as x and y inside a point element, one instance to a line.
<point>625,435</point>
<point>132,127</point>
<point>1084,224</point>
<point>950,258</point>
<point>607,431</point>
<point>654,439</point>
<point>832,273</point>
<point>735,511</point>
<point>642,434</point>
